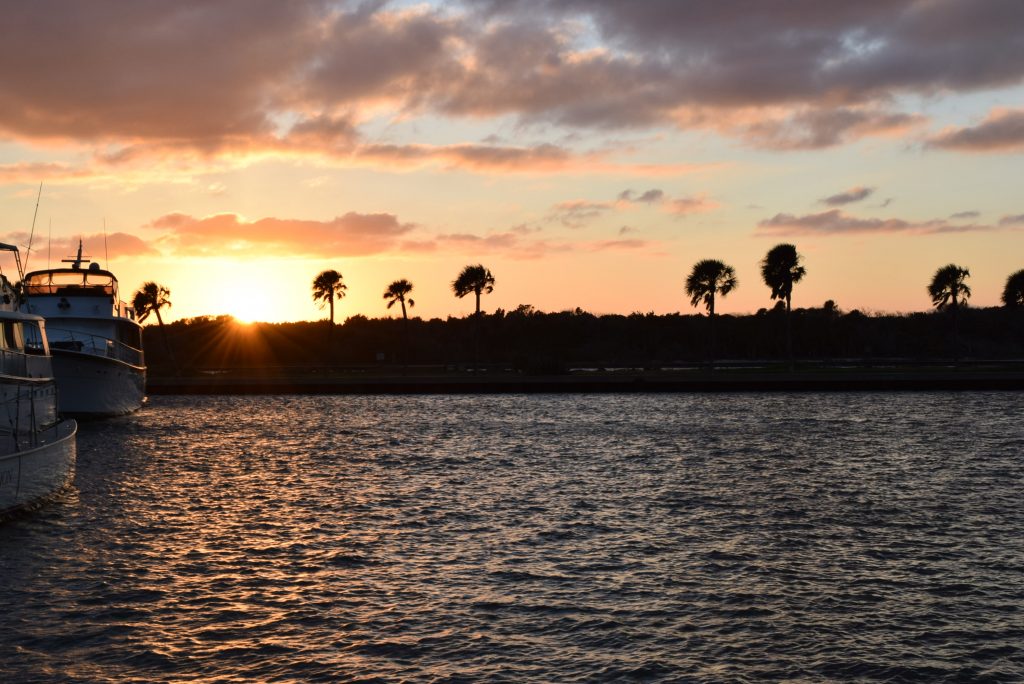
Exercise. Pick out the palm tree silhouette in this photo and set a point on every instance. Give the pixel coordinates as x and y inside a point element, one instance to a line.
<point>327,287</point>
<point>398,291</point>
<point>780,269</point>
<point>708,278</point>
<point>149,299</point>
<point>476,279</point>
<point>1013,293</point>
<point>948,287</point>
<point>948,290</point>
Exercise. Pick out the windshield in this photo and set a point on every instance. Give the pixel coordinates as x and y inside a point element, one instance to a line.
<point>71,283</point>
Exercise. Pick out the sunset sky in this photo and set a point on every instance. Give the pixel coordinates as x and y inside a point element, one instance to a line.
<point>587,151</point>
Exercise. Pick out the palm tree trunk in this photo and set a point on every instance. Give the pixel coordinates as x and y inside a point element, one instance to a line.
<point>956,331</point>
<point>330,327</point>
<point>711,319</point>
<point>789,335</point>
<point>405,337</point>
<point>476,333</point>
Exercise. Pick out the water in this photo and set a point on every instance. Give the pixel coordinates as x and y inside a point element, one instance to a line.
<point>726,537</point>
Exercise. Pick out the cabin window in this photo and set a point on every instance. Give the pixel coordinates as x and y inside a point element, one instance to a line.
<point>35,340</point>
<point>12,336</point>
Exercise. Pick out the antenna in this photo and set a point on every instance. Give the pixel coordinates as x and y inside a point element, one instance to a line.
<point>28,252</point>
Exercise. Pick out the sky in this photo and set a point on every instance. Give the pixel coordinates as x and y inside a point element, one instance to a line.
<point>587,152</point>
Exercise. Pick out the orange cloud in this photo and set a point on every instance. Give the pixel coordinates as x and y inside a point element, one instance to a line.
<point>95,246</point>
<point>349,235</point>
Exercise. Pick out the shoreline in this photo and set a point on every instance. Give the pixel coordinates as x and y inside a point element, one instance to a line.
<point>724,380</point>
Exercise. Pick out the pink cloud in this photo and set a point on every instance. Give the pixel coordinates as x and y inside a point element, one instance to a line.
<point>95,246</point>
<point>1001,131</point>
<point>349,235</point>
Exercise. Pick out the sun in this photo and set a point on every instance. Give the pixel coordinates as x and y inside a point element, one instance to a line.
<point>246,304</point>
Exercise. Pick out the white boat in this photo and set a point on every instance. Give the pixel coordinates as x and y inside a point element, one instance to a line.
<point>37,449</point>
<point>95,338</point>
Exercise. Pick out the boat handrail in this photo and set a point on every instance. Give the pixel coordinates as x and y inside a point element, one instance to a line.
<point>24,364</point>
<point>96,345</point>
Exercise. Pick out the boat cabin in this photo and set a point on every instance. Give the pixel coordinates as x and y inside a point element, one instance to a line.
<point>75,292</point>
<point>24,351</point>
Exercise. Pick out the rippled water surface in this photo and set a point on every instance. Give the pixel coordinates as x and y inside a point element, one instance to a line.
<point>727,537</point>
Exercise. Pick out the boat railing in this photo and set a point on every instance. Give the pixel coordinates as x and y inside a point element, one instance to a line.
<point>96,345</point>
<point>14,363</point>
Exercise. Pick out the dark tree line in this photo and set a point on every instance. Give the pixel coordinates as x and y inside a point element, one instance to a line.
<point>532,341</point>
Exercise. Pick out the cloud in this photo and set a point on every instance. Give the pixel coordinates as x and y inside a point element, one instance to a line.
<point>682,206</point>
<point>834,222</point>
<point>188,80</point>
<point>95,246</point>
<point>517,246</point>
<point>1001,131</point>
<point>848,197</point>
<point>819,128</point>
<point>578,213</point>
<point>961,215</point>
<point>349,235</point>
<point>733,53</point>
<point>652,196</point>
<point>32,172</point>
<point>1017,220</point>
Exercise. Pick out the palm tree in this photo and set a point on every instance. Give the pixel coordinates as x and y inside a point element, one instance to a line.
<point>149,299</point>
<point>476,279</point>
<point>780,269</point>
<point>1013,293</point>
<point>327,287</point>
<point>948,287</point>
<point>398,291</point>
<point>708,278</point>
<point>948,290</point>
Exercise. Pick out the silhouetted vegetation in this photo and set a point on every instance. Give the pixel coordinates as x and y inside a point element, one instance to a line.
<point>708,278</point>
<point>399,291</point>
<point>327,287</point>
<point>149,299</point>
<point>534,342</point>
<point>949,290</point>
<point>780,270</point>
<point>1013,293</point>
<point>475,279</point>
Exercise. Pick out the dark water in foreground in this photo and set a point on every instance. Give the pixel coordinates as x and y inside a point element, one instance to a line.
<point>732,537</point>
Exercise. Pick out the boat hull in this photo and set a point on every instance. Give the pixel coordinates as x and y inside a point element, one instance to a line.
<point>30,476</point>
<point>96,386</point>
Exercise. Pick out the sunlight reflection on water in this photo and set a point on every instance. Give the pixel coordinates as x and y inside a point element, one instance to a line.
<point>713,537</point>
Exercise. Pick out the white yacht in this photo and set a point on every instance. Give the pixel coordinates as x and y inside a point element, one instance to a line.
<point>37,450</point>
<point>95,338</point>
